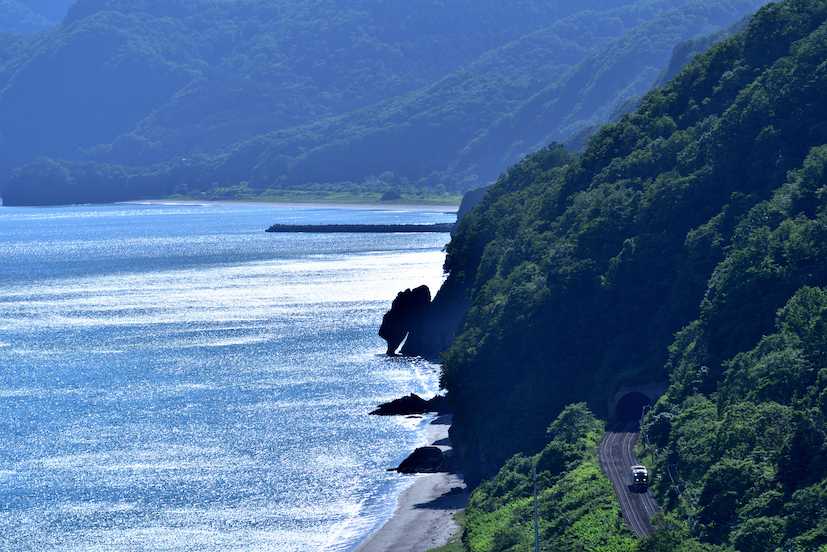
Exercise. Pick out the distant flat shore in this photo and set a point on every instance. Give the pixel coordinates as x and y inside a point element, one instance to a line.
<point>374,200</point>
<point>424,517</point>
<point>439,228</point>
<point>443,207</point>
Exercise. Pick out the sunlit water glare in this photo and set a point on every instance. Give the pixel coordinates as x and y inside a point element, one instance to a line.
<point>172,378</point>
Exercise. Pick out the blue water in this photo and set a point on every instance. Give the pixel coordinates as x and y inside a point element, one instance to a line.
<point>172,378</point>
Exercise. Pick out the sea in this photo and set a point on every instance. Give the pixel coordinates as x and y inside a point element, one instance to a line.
<point>172,378</point>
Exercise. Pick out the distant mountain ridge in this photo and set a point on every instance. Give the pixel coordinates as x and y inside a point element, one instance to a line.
<point>153,98</point>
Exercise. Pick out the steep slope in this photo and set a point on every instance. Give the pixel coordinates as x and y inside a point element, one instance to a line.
<point>685,245</point>
<point>616,72</point>
<point>582,272</point>
<point>460,129</point>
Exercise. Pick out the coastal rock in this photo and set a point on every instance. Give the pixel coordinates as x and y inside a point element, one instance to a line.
<point>407,310</point>
<point>424,460</point>
<point>434,332</point>
<point>439,404</point>
<point>412,404</point>
<point>430,326</point>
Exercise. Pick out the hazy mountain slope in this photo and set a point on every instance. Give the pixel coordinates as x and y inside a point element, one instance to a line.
<point>91,80</point>
<point>366,52</point>
<point>416,134</point>
<point>462,130</point>
<point>53,10</point>
<point>284,95</point>
<point>16,17</point>
<point>216,72</point>
<point>30,16</point>
<point>615,74</point>
<point>682,55</point>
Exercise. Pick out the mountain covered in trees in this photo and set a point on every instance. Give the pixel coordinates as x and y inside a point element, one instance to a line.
<point>684,246</point>
<point>30,16</point>
<point>138,99</point>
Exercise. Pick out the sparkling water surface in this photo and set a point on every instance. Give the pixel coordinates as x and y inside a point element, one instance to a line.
<point>174,379</point>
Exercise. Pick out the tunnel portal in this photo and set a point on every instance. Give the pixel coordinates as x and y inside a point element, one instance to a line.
<point>630,407</point>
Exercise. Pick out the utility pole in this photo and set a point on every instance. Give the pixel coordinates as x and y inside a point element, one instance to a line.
<point>536,511</point>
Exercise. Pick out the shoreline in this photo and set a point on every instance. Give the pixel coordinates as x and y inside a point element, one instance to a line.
<point>441,207</point>
<point>424,514</point>
<point>361,205</point>
<point>338,199</point>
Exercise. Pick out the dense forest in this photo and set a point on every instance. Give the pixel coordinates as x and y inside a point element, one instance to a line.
<point>155,98</point>
<point>18,18</point>
<point>685,246</point>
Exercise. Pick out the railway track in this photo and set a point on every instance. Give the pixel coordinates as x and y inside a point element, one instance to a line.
<point>617,458</point>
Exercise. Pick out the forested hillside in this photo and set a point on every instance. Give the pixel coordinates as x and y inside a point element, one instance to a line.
<point>685,246</point>
<point>17,18</point>
<point>29,16</point>
<point>52,10</point>
<point>186,96</point>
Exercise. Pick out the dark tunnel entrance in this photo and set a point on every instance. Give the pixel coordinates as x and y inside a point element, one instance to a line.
<point>630,407</point>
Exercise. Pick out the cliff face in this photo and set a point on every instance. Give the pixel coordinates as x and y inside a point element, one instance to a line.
<point>406,314</point>
<point>423,327</point>
<point>470,200</point>
<point>427,327</point>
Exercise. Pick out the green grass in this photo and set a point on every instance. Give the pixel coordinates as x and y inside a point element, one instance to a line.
<point>455,546</point>
<point>577,506</point>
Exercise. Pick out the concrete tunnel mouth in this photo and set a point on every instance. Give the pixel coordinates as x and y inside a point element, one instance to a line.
<point>630,407</point>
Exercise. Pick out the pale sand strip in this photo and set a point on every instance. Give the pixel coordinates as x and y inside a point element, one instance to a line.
<point>424,517</point>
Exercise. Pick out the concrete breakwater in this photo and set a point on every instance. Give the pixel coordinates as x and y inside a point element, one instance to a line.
<point>438,228</point>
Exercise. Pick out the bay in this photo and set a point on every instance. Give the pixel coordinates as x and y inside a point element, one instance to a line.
<point>173,378</point>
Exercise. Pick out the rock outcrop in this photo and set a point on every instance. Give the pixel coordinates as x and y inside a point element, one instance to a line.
<point>425,460</point>
<point>411,405</point>
<point>428,325</point>
<point>407,312</point>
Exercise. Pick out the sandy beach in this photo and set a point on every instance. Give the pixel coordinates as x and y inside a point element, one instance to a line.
<point>424,517</point>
